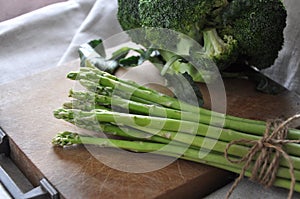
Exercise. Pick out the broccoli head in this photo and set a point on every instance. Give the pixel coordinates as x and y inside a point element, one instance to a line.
<point>231,32</point>
<point>258,27</point>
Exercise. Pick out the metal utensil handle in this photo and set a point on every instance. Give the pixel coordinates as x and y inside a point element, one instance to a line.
<point>45,187</point>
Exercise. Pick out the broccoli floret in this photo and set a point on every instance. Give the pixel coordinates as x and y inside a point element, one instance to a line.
<point>183,16</point>
<point>129,18</point>
<point>222,51</point>
<point>258,27</point>
<point>128,14</point>
<point>189,19</point>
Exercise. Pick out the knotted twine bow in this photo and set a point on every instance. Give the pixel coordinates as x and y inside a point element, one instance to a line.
<point>266,165</point>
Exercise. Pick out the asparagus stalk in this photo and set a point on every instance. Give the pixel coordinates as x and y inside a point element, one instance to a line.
<point>187,139</point>
<point>105,79</point>
<point>146,109</point>
<point>197,141</point>
<point>146,123</point>
<point>152,122</point>
<point>134,107</point>
<point>69,138</point>
<point>107,91</point>
<point>240,124</point>
<point>137,107</point>
<point>175,104</point>
<point>181,139</point>
<point>122,131</point>
<point>175,121</point>
<point>91,124</point>
<point>83,105</point>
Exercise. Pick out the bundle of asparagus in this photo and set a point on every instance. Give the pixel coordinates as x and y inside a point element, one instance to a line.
<point>150,120</point>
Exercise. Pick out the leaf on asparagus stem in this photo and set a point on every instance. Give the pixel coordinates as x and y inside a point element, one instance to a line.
<point>93,53</point>
<point>132,61</point>
<point>94,46</point>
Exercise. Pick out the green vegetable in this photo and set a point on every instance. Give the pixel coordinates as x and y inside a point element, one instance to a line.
<point>154,122</point>
<point>258,27</point>
<point>186,17</point>
<point>233,33</point>
<point>157,98</point>
<point>214,159</point>
<point>167,125</point>
<point>140,92</point>
<point>128,14</point>
<point>222,51</point>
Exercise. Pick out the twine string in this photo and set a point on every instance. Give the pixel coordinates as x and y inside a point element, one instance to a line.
<point>269,150</point>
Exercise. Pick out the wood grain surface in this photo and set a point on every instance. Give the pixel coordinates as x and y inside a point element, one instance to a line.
<point>26,108</point>
<point>26,116</point>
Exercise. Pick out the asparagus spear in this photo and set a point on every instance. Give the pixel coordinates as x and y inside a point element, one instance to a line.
<point>106,79</point>
<point>167,132</point>
<point>240,124</point>
<point>187,139</point>
<point>146,123</point>
<point>124,131</point>
<point>197,141</point>
<point>166,100</point>
<point>137,107</point>
<point>183,140</point>
<point>165,112</point>
<point>69,138</point>
<point>98,89</point>
<point>83,105</point>
<point>92,79</point>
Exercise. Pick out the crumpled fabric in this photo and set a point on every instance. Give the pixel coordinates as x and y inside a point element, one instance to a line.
<point>50,36</point>
<point>286,69</point>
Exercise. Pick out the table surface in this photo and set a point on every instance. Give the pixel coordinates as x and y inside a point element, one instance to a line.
<point>26,116</point>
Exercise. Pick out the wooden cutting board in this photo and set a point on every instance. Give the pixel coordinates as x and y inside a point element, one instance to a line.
<point>26,108</point>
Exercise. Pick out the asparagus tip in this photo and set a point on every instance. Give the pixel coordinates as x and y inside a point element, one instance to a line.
<point>68,105</point>
<point>71,92</point>
<point>62,113</point>
<point>65,138</point>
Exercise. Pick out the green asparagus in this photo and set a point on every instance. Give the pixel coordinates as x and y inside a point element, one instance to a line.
<point>68,138</point>
<point>153,122</point>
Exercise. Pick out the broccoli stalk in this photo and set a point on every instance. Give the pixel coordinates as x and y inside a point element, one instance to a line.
<point>223,52</point>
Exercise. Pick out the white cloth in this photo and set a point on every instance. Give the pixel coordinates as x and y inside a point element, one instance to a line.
<point>286,69</point>
<point>51,35</point>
